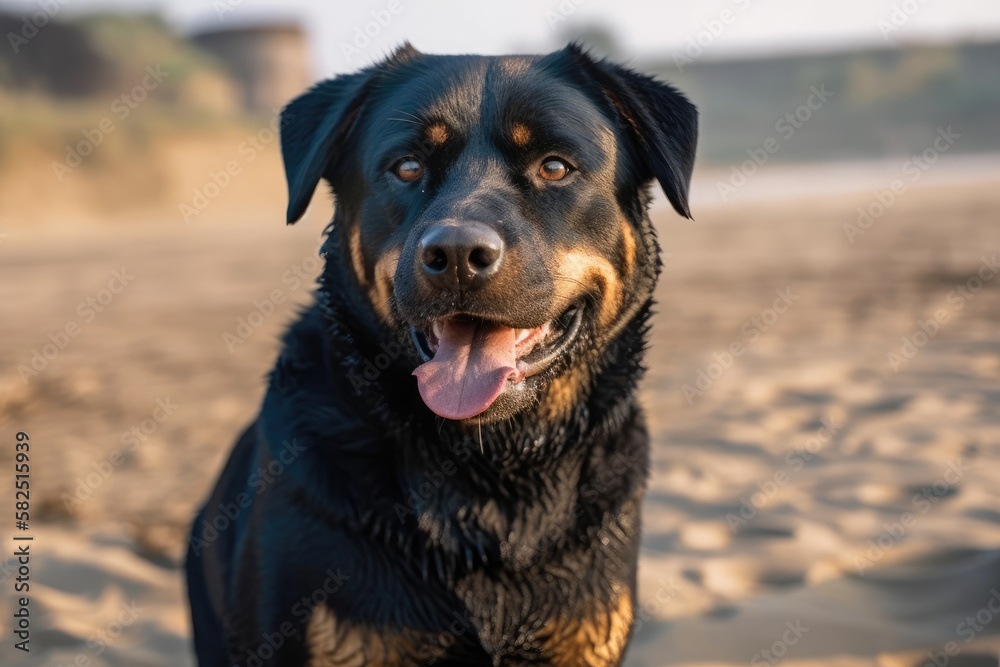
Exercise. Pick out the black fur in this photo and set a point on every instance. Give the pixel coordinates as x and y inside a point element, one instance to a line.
<point>428,541</point>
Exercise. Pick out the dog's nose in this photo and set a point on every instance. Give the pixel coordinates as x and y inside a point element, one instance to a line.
<point>460,255</point>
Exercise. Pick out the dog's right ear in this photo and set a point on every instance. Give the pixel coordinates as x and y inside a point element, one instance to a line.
<point>316,124</point>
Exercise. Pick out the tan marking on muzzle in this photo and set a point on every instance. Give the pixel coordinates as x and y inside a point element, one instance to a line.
<point>357,255</point>
<point>563,394</point>
<point>380,293</point>
<point>580,273</point>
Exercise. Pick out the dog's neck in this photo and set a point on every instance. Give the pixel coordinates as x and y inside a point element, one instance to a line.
<point>472,488</point>
<point>374,367</point>
<point>509,470</point>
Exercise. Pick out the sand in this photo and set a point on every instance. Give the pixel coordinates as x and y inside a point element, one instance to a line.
<point>809,503</point>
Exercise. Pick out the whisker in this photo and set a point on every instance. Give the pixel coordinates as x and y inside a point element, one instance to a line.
<point>574,281</point>
<point>589,290</point>
<point>407,113</point>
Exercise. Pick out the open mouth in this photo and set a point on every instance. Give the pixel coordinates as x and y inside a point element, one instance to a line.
<point>469,362</point>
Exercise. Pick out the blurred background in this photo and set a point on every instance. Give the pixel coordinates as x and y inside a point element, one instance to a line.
<point>823,376</point>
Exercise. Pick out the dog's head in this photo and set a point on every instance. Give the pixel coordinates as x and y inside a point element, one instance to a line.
<point>494,209</point>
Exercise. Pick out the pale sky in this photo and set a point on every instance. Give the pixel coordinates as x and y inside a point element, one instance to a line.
<point>643,27</point>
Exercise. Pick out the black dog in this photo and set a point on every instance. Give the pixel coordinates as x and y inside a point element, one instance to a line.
<point>491,239</point>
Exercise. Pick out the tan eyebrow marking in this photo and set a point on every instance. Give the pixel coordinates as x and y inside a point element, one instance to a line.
<point>437,133</point>
<point>521,134</point>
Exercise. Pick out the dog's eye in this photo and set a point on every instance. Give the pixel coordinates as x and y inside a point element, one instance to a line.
<point>408,169</point>
<point>553,169</point>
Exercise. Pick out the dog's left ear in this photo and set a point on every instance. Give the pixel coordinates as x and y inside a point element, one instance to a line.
<point>663,121</point>
<point>315,125</point>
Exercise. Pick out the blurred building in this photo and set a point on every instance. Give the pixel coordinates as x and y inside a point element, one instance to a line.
<point>270,62</point>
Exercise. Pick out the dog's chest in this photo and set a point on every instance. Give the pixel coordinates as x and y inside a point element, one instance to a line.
<point>507,621</point>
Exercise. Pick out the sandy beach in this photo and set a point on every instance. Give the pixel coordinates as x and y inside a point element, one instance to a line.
<point>823,400</point>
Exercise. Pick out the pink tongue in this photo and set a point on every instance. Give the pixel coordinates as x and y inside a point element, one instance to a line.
<point>469,369</point>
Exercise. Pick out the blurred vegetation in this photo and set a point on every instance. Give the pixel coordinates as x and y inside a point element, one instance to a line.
<point>885,103</point>
<point>66,78</point>
<point>99,56</point>
<point>71,74</point>
<point>110,107</point>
